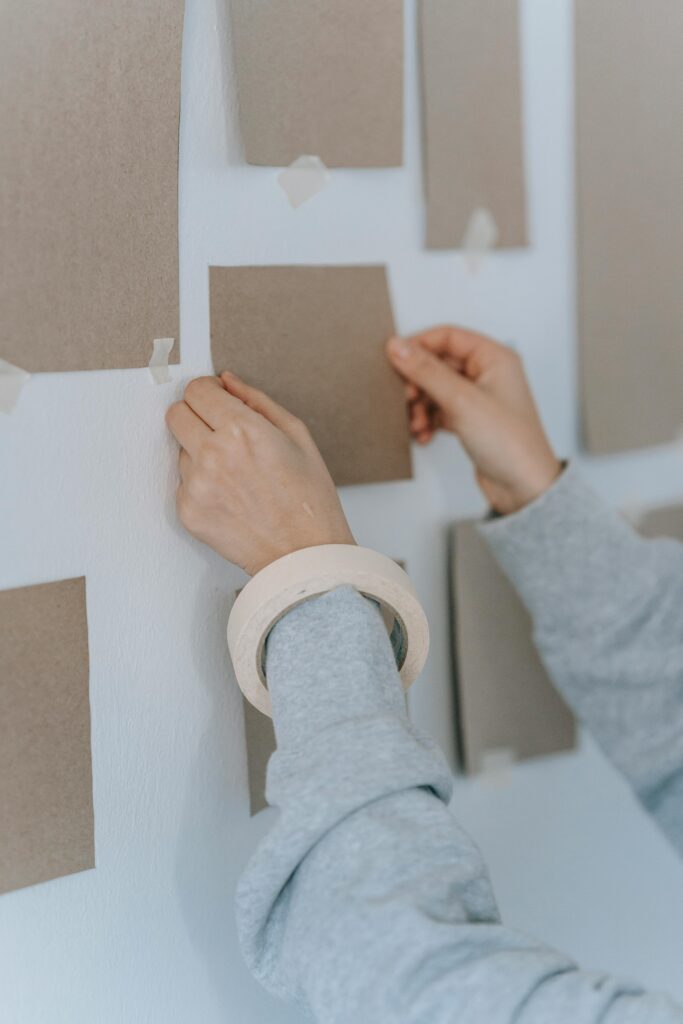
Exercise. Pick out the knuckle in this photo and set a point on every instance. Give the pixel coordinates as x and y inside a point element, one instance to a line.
<point>195,387</point>
<point>209,457</point>
<point>245,433</point>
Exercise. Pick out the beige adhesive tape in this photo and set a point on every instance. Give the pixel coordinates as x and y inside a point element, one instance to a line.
<point>497,765</point>
<point>12,380</point>
<point>158,364</point>
<point>481,235</point>
<point>303,179</point>
<point>305,574</point>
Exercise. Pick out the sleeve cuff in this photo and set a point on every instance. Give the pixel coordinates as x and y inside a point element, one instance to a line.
<point>565,553</point>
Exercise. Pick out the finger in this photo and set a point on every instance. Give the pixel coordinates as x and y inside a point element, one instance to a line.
<point>424,437</point>
<point>440,382</point>
<point>412,392</point>
<point>260,402</point>
<point>460,344</point>
<point>207,397</point>
<point>189,430</point>
<point>419,418</point>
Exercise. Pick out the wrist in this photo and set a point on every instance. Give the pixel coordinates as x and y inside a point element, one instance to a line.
<point>309,540</point>
<point>535,484</point>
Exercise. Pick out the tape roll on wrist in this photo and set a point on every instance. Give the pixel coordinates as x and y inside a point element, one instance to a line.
<point>303,575</point>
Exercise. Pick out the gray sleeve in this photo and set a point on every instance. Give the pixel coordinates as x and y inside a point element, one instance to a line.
<point>607,608</point>
<point>367,903</point>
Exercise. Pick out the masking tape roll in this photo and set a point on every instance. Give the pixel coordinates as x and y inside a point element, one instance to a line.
<point>306,574</point>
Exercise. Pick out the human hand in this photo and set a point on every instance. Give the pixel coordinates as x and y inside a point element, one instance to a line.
<point>254,486</point>
<point>464,382</point>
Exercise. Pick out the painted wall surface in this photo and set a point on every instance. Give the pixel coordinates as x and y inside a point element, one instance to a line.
<point>88,477</point>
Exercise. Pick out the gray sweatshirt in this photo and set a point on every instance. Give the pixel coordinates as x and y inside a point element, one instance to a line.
<point>367,902</point>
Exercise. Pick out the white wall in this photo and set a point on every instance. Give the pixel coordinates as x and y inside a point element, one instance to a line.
<point>88,476</point>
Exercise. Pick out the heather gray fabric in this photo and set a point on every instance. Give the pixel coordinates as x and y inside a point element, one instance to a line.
<point>367,903</point>
<point>607,608</point>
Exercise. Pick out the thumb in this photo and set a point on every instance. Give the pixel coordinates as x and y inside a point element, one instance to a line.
<point>439,381</point>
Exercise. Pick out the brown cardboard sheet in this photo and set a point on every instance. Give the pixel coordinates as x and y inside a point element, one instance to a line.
<point>46,807</point>
<point>629,100</point>
<point>665,521</point>
<point>322,78</point>
<point>88,181</point>
<point>260,737</point>
<point>472,118</point>
<point>505,698</point>
<point>313,338</point>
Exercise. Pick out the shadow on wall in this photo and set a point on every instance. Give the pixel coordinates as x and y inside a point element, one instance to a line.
<point>216,835</point>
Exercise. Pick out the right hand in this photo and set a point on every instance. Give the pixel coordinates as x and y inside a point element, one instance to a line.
<point>254,486</point>
<point>464,382</point>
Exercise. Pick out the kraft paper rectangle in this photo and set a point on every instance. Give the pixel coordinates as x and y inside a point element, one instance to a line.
<point>260,738</point>
<point>665,521</point>
<point>313,338</point>
<point>629,101</point>
<point>320,78</point>
<point>506,701</point>
<point>46,804</point>
<point>88,181</point>
<point>472,119</point>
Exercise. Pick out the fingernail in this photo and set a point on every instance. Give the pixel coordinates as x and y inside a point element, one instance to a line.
<point>400,347</point>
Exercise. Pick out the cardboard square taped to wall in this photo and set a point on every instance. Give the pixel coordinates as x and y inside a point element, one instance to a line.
<point>506,700</point>
<point>323,77</point>
<point>46,805</point>
<point>313,338</point>
<point>88,181</point>
<point>472,103</point>
<point>663,521</point>
<point>629,100</point>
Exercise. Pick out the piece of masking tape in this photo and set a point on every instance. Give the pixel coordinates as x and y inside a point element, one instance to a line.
<point>634,512</point>
<point>12,380</point>
<point>303,179</point>
<point>308,573</point>
<point>158,364</point>
<point>496,766</point>
<point>481,236</point>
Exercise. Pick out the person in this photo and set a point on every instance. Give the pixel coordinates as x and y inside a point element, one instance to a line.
<point>367,902</point>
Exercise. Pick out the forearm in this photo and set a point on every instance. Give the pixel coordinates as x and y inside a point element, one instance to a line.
<point>607,608</point>
<point>366,901</point>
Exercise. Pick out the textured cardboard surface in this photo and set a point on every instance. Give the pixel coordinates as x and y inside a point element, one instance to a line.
<point>629,97</point>
<point>472,118</point>
<point>320,77</point>
<point>46,809</point>
<point>260,737</point>
<point>88,171</point>
<point>505,698</point>
<point>665,521</point>
<point>313,338</point>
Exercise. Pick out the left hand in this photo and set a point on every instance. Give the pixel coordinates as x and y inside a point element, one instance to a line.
<point>254,485</point>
